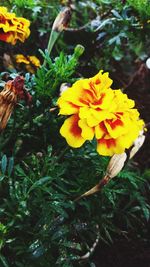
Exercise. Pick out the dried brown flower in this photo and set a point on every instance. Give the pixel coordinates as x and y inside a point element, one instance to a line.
<point>13,91</point>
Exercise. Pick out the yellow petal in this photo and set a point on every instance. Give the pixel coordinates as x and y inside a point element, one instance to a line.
<point>102,80</point>
<point>87,132</point>
<point>86,113</point>
<point>72,132</point>
<point>122,102</point>
<point>104,101</point>
<point>115,127</point>
<point>77,94</point>
<point>83,112</point>
<point>102,115</point>
<point>100,130</point>
<point>22,59</point>
<point>109,147</point>
<point>66,107</point>
<point>127,139</point>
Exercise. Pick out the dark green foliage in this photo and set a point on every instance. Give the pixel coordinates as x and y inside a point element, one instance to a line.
<point>143,7</point>
<point>43,223</point>
<point>119,36</point>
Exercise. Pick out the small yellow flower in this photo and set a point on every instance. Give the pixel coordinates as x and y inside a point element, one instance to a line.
<point>98,111</point>
<point>31,62</point>
<point>13,28</point>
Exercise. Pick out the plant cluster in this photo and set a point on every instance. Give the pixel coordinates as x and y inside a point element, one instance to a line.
<point>43,222</point>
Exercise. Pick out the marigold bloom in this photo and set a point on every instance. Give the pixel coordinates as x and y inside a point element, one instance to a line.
<point>98,111</point>
<point>13,28</point>
<point>31,62</point>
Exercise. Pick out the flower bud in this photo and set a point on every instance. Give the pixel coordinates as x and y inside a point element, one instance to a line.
<point>79,50</point>
<point>62,20</point>
<point>137,144</point>
<point>116,164</point>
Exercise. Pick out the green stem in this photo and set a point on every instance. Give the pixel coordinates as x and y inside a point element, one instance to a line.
<point>52,39</point>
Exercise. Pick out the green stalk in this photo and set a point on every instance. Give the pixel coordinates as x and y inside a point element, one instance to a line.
<point>52,39</point>
<point>60,23</point>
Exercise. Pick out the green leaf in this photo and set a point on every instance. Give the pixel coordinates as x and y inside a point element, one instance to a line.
<point>10,166</point>
<point>4,164</point>
<point>116,14</point>
<point>104,23</point>
<point>2,178</point>
<point>146,211</point>
<point>3,261</point>
<point>108,235</point>
<point>41,182</point>
<point>117,53</point>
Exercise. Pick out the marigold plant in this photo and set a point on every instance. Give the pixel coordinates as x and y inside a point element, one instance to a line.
<point>98,111</point>
<point>13,28</point>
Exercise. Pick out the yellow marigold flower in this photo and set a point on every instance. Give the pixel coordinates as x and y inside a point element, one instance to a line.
<point>13,28</point>
<point>31,62</point>
<point>98,111</point>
